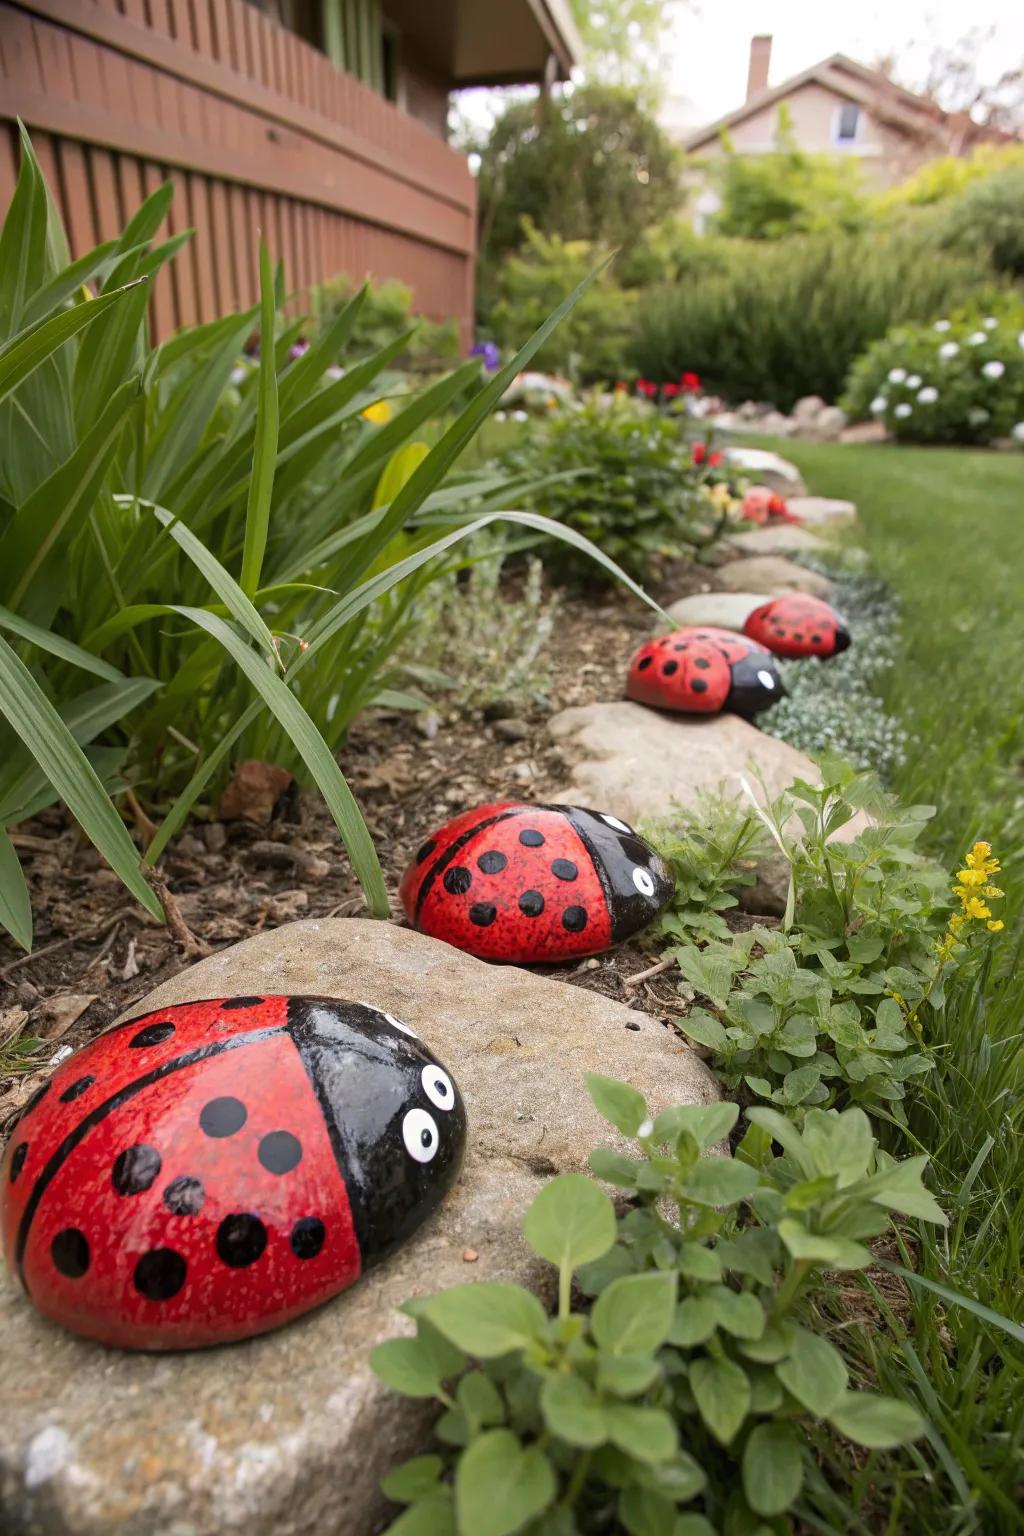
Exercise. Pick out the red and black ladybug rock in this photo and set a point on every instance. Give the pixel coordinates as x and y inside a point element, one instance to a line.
<point>701,670</point>
<point>211,1170</point>
<point>797,625</point>
<point>528,883</point>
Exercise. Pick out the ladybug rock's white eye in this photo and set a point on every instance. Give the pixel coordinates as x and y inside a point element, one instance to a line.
<point>643,881</point>
<point>438,1087</point>
<point>419,1132</point>
<point>766,679</point>
<point>613,821</point>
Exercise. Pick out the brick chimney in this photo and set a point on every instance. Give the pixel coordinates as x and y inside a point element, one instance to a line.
<point>760,59</point>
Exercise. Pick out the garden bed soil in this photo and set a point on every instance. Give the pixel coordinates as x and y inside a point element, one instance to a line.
<point>97,952</point>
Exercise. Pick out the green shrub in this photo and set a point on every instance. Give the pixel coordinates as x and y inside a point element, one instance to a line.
<point>945,179</point>
<point>790,317</point>
<point>235,565</point>
<point>594,343</point>
<point>989,217</point>
<point>386,310</point>
<point>619,473</point>
<point>789,192</point>
<point>957,380</point>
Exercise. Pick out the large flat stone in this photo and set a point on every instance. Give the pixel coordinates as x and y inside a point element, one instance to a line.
<point>289,1434</point>
<point>775,539</point>
<point>639,764</point>
<point>771,575</point>
<point>813,510</point>
<point>768,468</point>
<point>724,610</point>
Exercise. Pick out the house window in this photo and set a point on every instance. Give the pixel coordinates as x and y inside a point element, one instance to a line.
<point>845,123</point>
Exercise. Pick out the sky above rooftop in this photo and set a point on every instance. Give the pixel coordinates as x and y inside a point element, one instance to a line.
<point>709,41</point>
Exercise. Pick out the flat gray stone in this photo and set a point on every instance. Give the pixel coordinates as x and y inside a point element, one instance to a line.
<point>771,575</point>
<point>821,509</point>
<point>768,468</point>
<point>289,1434</point>
<point>639,763</point>
<point>775,539</point>
<point>724,610</point>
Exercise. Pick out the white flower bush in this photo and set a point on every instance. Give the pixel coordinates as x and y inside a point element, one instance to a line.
<point>959,379</point>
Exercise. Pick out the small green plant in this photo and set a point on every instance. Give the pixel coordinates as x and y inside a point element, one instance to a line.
<point>711,850</point>
<point>622,475</point>
<point>386,313</point>
<point>822,1012</point>
<point>956,380</point>
<point>480,639</point>
<point>678,1402</point>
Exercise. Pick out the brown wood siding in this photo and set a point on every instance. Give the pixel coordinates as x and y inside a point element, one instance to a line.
<point>258,132</point>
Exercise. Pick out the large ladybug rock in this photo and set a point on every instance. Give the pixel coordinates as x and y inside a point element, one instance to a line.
<point>797,625</point>
<point>700,670</point>
<point>526,883</point>
<point>211,1170</point>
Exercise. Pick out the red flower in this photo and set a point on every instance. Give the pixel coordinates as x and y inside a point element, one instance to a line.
<point>699,453</point>
<point>647,388</point>
<point>690,383</point>
<point>670,391</point>
<point>716,458</point>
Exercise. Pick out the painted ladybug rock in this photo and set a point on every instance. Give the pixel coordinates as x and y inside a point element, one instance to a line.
<point>798,626</point>
<point>527,883</point>
<point>702,670</point>
<point>211,1170</point>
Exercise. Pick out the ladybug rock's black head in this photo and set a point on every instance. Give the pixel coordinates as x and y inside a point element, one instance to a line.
<point>396,1120</point>
<point>633,875</point>
<point>842,638</point>
<point>756,684</point>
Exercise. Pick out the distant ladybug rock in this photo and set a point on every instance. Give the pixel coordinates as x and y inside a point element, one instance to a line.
<point>702,670</point>
<point>798,626</point>
<point>761,505</point>
<point>208,1171</point>
<point>528,883</point>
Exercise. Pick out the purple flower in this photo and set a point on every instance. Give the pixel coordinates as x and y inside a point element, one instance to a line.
<point>491,354</point>
<point>299,348</point>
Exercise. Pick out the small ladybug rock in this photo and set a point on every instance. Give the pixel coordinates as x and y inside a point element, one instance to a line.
<point>701,670</point>
<point>798,626</point>
<point>761,505</point>
<point>211,1170</point>
<point>526,883</point>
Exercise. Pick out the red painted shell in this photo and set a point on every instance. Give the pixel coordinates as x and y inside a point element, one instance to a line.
<point>797,625</point>
<point>211,1170</point>
<point>701,670</point>
<point>528,883</point>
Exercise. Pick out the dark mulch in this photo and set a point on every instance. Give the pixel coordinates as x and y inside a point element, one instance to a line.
<point>96,952</point>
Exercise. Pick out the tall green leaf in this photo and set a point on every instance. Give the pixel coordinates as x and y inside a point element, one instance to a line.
<point>15,907</point>
<point>261,484</point>
<point>24,352</point>
<point>33,718</point>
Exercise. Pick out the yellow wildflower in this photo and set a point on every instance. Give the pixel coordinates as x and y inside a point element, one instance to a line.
<point>551,402</point>
<point>379,413</point>
<point>973,889</point>
<point>996,926</point>
<point>971,877</point>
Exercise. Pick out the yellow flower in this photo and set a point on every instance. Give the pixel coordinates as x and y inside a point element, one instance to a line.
<point>971,876</point>
<point>977,909</point>
<point>379,413</point>
<point>551,402</point>
<point>996,926</point>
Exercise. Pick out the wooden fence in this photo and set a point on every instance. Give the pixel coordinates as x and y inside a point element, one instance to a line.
<point>257,130</point>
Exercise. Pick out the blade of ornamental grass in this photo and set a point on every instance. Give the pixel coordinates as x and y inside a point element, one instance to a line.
<point>261,482</point>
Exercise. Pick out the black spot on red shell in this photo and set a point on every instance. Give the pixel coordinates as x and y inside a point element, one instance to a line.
<point>492,862</point>
<point>531,903</point>
<point>702,662</point>
<point>135,1169</point>
<point>160,1274</point>
<point>18,1160</point>
<point>222,1117</point>
<point>457,880</point>
<point>698,685</point>
<point>574,919</point>
<point>36,1099</point>
<point>670,668</point>
<point>644,663</point>
<point>482,913</point>
<point>280,1151</point>
<point>241,1239</point>
<point>564,869</point>
<point>531,838</point>
<point>153,1034</point>
<point>307,1237</point>
<point>70,1253</point>
<point>79,1086</point>
<point>184,1196</point>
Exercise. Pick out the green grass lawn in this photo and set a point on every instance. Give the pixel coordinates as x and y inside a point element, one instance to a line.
<point>946,529</point>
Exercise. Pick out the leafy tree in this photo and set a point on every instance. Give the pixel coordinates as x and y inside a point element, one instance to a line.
<point>590,164</point>
<point>767,197</point>
<point>623,42</point>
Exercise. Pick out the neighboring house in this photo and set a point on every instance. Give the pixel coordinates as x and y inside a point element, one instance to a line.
<point>320,122</point>
<point>839,107</point>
